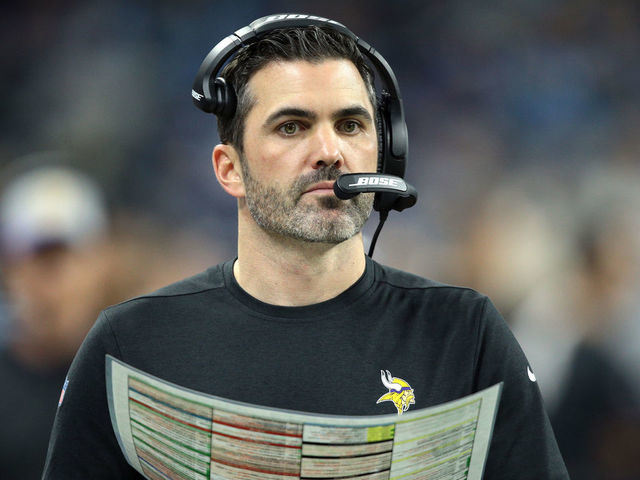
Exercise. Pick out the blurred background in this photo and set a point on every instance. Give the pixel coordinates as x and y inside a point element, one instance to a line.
<point>524,125</point>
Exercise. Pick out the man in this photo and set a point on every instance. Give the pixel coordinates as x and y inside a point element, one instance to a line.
<point>302,319</point>
<point>52,242</point>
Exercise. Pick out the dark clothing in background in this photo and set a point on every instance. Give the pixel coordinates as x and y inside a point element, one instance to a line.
<point>596,399</point>
<point>27,407</point>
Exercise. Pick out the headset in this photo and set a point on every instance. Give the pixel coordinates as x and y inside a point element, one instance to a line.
<point>212,94</point>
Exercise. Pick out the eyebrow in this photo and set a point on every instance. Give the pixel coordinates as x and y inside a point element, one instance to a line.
<point>290,112</point>
<point>353,111</point>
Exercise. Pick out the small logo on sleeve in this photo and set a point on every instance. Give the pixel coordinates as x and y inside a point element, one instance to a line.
<point>531,375</point>
<point>400,392</point>
<point>64,389</point>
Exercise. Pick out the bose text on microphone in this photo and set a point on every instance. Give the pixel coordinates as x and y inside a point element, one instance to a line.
<point>352,184</point>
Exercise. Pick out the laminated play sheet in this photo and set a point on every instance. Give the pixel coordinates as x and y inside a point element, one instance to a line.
<point>166,431</point>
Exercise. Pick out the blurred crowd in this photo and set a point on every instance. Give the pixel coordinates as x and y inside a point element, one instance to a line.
<point>524,127</point>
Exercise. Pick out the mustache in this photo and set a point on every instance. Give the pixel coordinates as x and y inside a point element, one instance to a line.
<point>321,175</point>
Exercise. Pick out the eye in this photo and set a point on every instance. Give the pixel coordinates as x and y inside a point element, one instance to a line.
<point>350,126</point>
<point>289,128</point>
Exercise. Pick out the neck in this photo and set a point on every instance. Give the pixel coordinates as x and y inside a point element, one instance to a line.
<point>288,272</point>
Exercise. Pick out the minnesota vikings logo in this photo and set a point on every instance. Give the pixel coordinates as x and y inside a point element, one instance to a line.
<point>400,392</point>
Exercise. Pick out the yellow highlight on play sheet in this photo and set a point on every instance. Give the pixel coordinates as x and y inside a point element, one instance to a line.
<point>378,434</point>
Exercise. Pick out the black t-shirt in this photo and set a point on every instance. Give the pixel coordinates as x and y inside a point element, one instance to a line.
<point>207,334</point>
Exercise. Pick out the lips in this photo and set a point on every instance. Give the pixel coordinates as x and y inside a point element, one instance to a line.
<point>320,187</point>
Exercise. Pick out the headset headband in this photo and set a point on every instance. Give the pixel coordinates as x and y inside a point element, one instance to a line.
<point>207,94</point>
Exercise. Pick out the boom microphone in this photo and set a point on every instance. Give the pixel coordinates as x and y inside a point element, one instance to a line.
<point>352,184</point>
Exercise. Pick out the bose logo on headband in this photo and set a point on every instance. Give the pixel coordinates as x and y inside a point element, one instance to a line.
<point>287,16</point>
<point>196,95</point>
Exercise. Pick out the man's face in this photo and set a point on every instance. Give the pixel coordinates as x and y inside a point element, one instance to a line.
<point>310,123</point>
<point>56,292</point>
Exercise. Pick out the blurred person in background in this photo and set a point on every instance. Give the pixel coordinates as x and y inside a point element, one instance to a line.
<point>53,229</point>
<point>64,258</point>
<point>563,266</point>
<point>605,385</point>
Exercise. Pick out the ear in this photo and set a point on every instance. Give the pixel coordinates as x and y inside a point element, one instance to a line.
<point>226,164</point>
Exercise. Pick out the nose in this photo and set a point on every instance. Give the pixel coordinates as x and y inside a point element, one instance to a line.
<point>326,148</point>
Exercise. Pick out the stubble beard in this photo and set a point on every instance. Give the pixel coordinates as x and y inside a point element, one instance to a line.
<point>284,210</point>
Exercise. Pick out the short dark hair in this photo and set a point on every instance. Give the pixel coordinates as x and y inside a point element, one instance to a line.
<point>312,44</point>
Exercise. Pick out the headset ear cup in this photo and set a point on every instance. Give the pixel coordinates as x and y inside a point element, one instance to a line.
<point>383,201</point>
<point>224,101</point>
<point>380,199</point>
<point>381,130</point>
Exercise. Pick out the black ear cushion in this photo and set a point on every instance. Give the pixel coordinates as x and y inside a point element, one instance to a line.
<point>225,100</point>
<point>381,130</point>
<point>382,200</point>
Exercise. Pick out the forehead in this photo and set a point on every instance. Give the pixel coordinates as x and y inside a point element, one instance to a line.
<point>328,84</point>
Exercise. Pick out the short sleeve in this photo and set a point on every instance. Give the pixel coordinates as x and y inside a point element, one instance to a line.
<point>523,444</point>
<point>83,444</point>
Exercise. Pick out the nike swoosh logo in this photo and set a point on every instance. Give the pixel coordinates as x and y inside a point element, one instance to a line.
<point>532,377</point>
